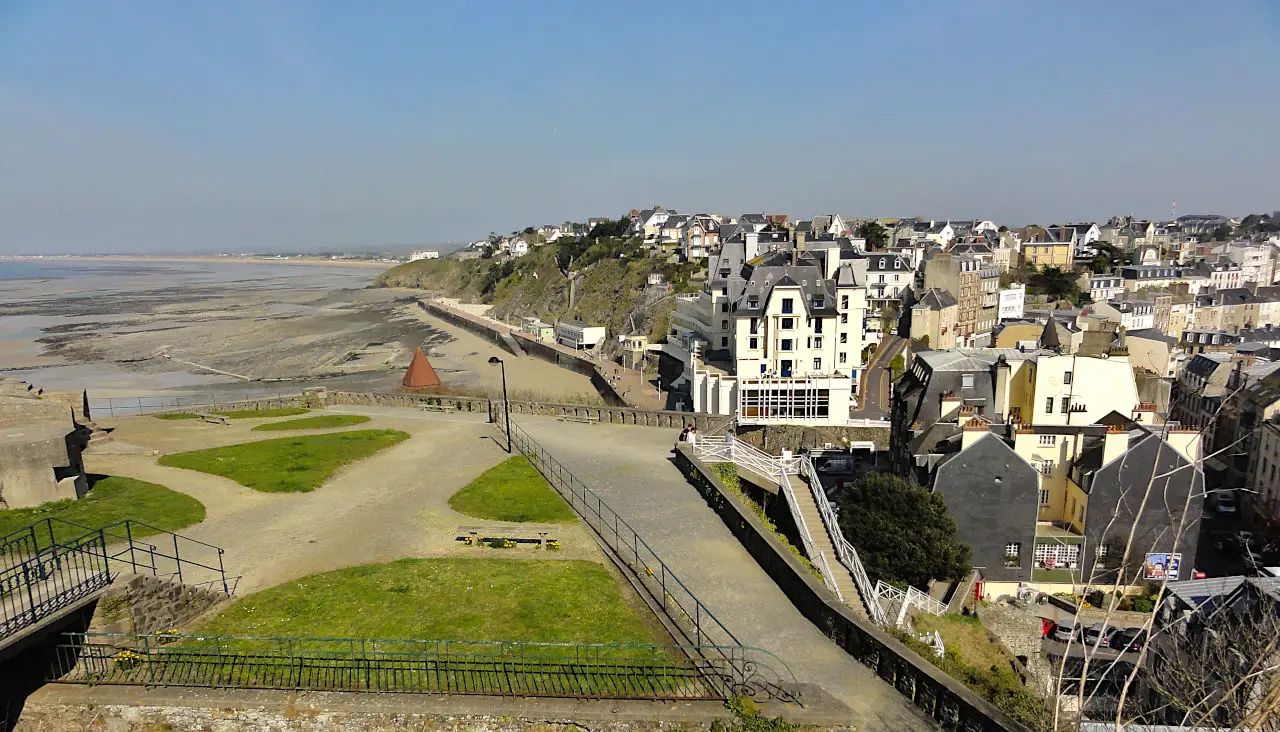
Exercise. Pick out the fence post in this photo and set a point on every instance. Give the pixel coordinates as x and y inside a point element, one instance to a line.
<point>128,536</point>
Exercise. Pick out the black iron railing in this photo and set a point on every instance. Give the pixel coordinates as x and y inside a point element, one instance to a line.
<point>410,666</point>
<point>54,563</point>
<point>681,607</point>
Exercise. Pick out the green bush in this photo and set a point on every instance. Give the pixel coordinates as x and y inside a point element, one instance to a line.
<point>727,474</point>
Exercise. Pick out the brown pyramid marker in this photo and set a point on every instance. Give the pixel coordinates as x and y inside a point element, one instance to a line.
<point>420,373</point>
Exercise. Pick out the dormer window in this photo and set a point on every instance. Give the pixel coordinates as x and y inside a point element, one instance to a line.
<point>753,302</point>
<point>819,303</point>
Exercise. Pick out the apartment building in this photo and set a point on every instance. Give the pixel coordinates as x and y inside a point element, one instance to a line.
<point>1043,459</point>
<point>975,286</point>
<point>1104,287</point>
<point>776,336</point>
<point>933,319</point>
<point>1012,302</point>
<point>1039,248</point>
<point>889,277</point>
<point>1227,310</point>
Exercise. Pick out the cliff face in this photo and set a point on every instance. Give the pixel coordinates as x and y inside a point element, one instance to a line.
<point>609,291</point>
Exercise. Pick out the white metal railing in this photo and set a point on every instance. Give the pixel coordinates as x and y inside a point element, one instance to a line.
<point>845,552</point>
<point>897,602</point>
<point>933,639</point>
<point>810,550</point>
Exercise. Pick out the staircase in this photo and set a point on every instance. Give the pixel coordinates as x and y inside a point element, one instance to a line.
<point>807,508</point>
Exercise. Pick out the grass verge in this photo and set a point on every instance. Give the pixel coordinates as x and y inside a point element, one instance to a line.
<point>727,473</point>
<point>313,423</point>
<point>512,490</point>
<point>288,464</point>
<point>567,601</point>
<point>968,636</point>
<point>110,499</point>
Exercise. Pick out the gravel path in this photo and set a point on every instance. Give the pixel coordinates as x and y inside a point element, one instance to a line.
<point>386,507</point>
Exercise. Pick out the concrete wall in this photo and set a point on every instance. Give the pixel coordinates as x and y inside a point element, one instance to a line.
<point>935,693</point>
<point>775,438</point>
<point>40,464</point>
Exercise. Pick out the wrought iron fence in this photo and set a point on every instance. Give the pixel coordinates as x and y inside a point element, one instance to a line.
<point>682,608</point>
<point>49,579</point>
<point>417,666</point>
<point>54,563</point>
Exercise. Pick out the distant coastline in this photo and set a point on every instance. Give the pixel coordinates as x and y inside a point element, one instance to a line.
<point>205,259</point>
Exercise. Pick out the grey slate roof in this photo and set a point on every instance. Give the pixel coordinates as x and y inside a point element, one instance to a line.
<point>936,298</point>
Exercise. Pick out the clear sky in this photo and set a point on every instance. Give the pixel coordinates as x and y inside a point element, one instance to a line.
<point>199,126</point>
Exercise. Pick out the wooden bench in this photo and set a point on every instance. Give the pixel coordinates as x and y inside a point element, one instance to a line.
<point>477,535</point>
<point>435,408</point>
<point>212,418</point>
<point>583,418</point>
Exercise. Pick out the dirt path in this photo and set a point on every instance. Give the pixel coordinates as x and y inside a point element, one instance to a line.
<point>389,506</point>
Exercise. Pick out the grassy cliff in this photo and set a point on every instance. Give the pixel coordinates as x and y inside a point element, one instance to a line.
<point>611,274</point>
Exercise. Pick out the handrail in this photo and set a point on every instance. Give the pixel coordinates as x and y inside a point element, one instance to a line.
<point>846,554</point>
<point>806,538</point>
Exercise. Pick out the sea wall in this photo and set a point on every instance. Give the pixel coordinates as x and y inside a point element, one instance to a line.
<point>946,700</point>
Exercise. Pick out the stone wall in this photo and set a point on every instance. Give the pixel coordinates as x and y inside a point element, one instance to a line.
<point>41,463</point>
<point>143,604</point>
<point>775,438</point>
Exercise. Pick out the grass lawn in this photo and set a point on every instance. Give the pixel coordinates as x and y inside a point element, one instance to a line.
<point>111,499</point>
<point>968,637</point>
<point>242,413</point>
<point>288,464</point>
<point>512,490</point>
<point>313,423</point>
<point>565,601</point>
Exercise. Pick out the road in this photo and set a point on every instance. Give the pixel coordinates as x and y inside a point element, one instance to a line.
<point>877,382</point>
<point>630,468</point>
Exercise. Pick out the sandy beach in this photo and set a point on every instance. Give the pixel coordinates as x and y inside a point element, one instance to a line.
<point>123,327</point>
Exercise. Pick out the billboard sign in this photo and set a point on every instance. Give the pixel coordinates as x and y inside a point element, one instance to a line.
<point>1158,567</point>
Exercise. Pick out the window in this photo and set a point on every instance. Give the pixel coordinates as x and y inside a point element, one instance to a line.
<point>844,318</point>
<point>724,306</point>
<point>753,302</point>
<point>817,342</point>
<point>1045,466</point>
<point>1102,550</point>
<point>755,326</point>
<point>788,305</point>
<point>842,357</point>
<point>819,303</point>
<point>724,325</point>
<point>788,323</point>
<point>1012,554</point>
<point>1048,405</point>
<point>966,381</point>
<point>817,364</point>
<point>724,342</point>
<point>724,291</point>
<point>882,279</point>
<point>844,337</point>
<point>1058,556</point>
<point>786,344</point>
<point>817,325</point>
<point>844,302</point>
<point>753,343</point>
<point>1044,496</point>
<point>1066,404</point>
<point>1048,440</point>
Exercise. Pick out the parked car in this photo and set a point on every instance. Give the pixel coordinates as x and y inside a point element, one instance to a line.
<point>1226,503</point>
<point>1064,631</point>
<point>1099,633</point>
<point>837,465</point>
<point>1128,639</point>
<point>1223,541</point>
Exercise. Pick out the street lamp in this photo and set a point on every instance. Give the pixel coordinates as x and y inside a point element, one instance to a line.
<point>506,410</point>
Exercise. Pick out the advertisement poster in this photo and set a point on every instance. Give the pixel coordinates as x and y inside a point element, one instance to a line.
<point>1161,566</point>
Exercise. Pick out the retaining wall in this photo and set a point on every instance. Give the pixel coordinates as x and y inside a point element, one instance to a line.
<point>950,703</point>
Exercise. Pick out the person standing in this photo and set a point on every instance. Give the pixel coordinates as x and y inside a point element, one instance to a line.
<point>693,436</point>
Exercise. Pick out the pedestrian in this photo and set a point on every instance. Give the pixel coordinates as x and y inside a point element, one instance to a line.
<point>684,433</point>
<point>693,436</point>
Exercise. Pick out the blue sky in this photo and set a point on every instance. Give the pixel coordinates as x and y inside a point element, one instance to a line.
<point>186,126</point>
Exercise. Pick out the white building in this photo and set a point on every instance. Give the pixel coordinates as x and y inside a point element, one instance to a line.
<point>518,247</point>
<point>577,334</point>
<point>424,254</point>
<point>777,341</point>
<point>888,277</point>
<point>1104,287</point>
<point>1012,301</point>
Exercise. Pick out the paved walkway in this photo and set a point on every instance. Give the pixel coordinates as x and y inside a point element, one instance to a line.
<point>389,506</point>
<point>877,380</point>
<point>630,468</point>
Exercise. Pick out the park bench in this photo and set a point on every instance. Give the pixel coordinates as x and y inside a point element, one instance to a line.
<point>479,535</point>
<point>212,418</point>
<point>583,418</point>
<point>435,408</point>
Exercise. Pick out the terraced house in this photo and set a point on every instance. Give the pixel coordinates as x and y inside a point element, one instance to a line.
<point>1043,458</point>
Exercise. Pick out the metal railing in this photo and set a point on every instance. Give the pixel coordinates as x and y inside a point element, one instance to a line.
<point>607,671</point>
<point>53,563</point>
<point>682,608</point>
<point>897,602</point>
<point>159,403</point>
<point>810,549</point>
<point>846,554</point>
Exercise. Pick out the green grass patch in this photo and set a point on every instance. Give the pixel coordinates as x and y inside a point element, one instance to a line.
<point>110,499</point>
<point>175,415</point>
<point>287,464</point>
<point>727,473</point>
<point>968,636</point>
<point>512,490</point>
<point>313,423</point>
<point>456,599</point>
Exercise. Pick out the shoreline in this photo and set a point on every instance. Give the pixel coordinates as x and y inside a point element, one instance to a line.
<point>201,259</point>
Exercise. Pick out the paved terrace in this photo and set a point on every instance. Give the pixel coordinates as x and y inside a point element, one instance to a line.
<point>630,468</point>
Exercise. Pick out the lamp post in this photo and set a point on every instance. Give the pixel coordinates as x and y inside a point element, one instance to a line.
<point>506,410</point>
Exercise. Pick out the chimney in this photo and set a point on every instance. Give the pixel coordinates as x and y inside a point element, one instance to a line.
<point>1145,413</point>
<point>950,404</point>
<point>1115,443</point>
<point>974,429</point>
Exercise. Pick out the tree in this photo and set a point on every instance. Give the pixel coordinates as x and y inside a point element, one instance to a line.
<point>1221,233</point>
<point>903,532</point>
<point>897,366</point>
<point>874,234</point>
<point>1056,283</point>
